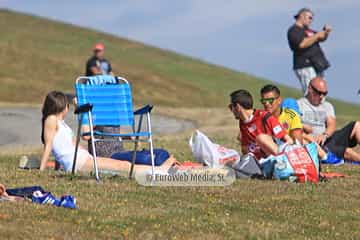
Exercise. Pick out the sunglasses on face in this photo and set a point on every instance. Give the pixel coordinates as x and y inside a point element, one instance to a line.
<point>268,100</point>
<point>318,92</point>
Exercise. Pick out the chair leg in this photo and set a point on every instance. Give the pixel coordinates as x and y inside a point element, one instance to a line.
<point>95,160</point>
<point>135,147</point>
<point>151,146</point>
<point>152,157</point>
<point>93,147</point>
<point>77,144</point>
<point>133,160</point>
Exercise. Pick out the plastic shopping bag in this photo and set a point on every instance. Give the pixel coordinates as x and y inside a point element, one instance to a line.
<point>209,153</point>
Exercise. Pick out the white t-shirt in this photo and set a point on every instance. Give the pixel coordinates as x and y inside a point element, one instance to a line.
<point>315,116</point>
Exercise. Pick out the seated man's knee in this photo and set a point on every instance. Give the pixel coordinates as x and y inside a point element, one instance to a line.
<point>351,155</point>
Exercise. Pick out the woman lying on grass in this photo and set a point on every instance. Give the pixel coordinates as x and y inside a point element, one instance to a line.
<point>58,138</point>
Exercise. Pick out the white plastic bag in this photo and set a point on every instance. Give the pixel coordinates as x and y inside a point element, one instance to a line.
<point>213,155</point>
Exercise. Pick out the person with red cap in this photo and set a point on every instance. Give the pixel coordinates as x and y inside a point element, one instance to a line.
<point>97,64</point>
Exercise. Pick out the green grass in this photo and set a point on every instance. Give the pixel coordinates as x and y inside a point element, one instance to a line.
<point>40,55</point>
<point>120,209</point>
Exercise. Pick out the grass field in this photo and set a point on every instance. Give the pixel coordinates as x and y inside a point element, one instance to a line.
<point>121,209</point>
<point>38,55</point>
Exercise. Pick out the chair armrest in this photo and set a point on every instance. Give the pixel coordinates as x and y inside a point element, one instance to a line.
<point>143,110</point>
<point>83,108</point>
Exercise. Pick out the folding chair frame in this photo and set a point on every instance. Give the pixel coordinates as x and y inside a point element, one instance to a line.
<point>132,137</point>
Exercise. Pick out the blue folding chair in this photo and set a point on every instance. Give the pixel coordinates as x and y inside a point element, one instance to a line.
<point>105,100</point>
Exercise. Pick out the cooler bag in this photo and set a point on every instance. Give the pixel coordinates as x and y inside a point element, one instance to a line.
<point>295,163</point>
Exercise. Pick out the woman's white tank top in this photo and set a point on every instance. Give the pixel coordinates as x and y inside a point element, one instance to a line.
<point>63,141</point>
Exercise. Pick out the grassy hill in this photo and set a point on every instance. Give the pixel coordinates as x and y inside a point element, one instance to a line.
<point>38,55</point>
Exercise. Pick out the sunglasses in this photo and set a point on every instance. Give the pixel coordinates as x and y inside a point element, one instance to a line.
<point>268,100</point>
<point>318,92</point>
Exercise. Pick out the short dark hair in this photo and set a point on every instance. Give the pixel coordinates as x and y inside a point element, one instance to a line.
<point>270,88</point>
<point>242,97</point>
<point>303,10</point>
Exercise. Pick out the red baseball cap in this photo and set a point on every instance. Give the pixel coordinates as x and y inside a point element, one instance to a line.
<point>99,47</point>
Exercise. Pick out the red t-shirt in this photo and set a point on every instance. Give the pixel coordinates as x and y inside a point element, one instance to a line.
<point>250,130</point>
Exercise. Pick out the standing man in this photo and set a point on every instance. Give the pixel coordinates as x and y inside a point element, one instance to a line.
<point>97,64</point>
<point>320,122</point>
<point>257,127</point>
<point>309,60</point>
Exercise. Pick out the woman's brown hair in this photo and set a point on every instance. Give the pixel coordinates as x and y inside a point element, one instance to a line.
<point>55,102</point>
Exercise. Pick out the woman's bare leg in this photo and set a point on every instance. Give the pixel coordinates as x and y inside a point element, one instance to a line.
<point>120,165</point>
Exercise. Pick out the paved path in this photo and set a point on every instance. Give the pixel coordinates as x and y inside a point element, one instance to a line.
<point>21,126</point>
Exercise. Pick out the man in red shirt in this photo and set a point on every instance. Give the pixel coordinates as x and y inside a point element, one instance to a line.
<point>258,128</point>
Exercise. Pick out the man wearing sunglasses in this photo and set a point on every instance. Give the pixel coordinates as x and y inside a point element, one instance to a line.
<point>289,119</point>
<point>309,60</point>
<point>319,121</point>
<point>257,127</point>
<point>288,113</point>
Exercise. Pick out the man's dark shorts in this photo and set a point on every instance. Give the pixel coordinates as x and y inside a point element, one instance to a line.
<point>340,140</point>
